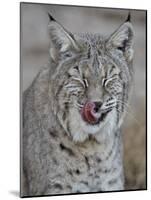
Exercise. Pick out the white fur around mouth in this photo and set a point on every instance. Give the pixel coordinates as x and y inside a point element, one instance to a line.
<point>99,116</point>
<point>80,129</point>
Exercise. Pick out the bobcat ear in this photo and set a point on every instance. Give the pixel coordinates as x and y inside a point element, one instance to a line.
<point>60,39</point>
<point>122,39</point>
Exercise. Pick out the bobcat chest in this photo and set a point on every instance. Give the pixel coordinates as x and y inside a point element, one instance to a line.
<point>75,168</point>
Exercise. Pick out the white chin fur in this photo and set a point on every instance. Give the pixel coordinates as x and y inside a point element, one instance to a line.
<point>80,130</point>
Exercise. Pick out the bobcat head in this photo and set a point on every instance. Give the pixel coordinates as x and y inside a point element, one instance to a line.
<point>90,79</point>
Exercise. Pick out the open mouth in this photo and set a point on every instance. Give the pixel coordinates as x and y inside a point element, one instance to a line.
<point>91,115</point>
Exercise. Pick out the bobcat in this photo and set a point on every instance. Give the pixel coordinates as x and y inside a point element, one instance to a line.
<point>73,111</point>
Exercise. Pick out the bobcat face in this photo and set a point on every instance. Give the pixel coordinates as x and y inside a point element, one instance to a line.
<point>91,80</point>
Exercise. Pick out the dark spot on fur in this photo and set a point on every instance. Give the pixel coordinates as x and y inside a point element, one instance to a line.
<point>68,127</point>
<point>67,149</point>
<point>89,51</point>
<point>98,160</point>
<point>120,48</point>
<point>105,171</point>
<point>64,116</point>
<point>113,181</point>
<point>84,182</point>
<point>58,186</point>
<point>47,171</point>
<point>87,162</point>
<point>77,171</point>
<point>65,112</point>
<point>76,68</point>
<point>70,172</point>
<point>69,187</point>
<point>59,89</point>
<point>52,133</point>
<point>55,161</point>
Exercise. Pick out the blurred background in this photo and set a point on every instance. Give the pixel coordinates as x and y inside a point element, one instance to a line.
<point>34,54</point>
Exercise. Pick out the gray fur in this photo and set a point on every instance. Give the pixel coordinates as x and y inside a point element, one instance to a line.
<point>61,152</point>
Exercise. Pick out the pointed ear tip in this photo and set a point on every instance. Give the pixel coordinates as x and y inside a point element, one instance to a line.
<point>50,17</point>
<point>128,17</point>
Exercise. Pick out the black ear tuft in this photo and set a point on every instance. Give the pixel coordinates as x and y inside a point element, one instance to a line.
<point>128,17</point>
<point>50,17</point>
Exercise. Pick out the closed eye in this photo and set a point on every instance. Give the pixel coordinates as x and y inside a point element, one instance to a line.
<point>85,83</point>
<point>79,81</point>
<point>103,81</point>
<point>111,78</point>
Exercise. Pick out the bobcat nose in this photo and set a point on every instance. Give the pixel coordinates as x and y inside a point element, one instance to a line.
<point>90,111</point>
<point>98,105</point>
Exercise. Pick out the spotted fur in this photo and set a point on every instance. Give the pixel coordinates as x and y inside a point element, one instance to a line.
<point>62,153</point>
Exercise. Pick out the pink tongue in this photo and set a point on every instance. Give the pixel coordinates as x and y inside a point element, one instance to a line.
<point>88,111</point>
